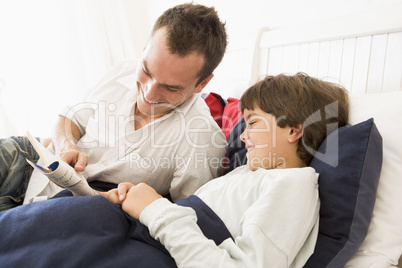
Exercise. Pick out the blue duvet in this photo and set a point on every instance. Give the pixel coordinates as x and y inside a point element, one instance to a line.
<point>88,232</point>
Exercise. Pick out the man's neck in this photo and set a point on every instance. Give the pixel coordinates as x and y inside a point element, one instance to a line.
<point>141,120</point>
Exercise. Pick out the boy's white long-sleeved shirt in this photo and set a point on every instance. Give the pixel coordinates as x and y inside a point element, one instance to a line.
<point>271,214</point>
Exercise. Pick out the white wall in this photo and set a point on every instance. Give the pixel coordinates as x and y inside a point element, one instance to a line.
<point>241,16</point>
<point>248,16</point>
<point>39,42</point>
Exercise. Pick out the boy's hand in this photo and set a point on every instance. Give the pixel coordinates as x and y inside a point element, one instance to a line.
<point>133,198</point>
<point>138,198</point>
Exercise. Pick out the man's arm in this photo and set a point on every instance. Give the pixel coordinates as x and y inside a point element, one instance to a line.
<point>64,137</point>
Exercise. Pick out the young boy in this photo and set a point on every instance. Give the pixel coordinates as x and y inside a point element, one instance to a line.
<point>263,214</point>
<point>270,206</point>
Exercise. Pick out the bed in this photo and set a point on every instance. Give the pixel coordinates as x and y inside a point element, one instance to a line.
<point>363,52</point>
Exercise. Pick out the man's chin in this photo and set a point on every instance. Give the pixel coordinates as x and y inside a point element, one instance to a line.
<point>149,111</point>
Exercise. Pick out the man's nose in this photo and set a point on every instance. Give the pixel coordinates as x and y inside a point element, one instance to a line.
<point>151,91</point>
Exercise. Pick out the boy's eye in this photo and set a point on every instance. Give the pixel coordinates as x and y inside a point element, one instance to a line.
<point>251,123</point>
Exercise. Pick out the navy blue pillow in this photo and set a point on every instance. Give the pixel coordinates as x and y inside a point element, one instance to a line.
<point>347,185</point>
<point>236,153</point>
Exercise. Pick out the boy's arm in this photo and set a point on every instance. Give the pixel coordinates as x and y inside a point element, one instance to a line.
<point>277,230</point>
<point>177,229</point>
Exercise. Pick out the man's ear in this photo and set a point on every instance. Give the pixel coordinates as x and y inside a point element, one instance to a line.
<point>295,133</point>
<point>203,83</point>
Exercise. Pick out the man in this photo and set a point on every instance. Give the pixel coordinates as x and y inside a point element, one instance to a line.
<point>147,122</point>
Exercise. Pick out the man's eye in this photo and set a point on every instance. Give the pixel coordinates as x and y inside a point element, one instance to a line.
<point>145,72</point>
<point>171,89</point>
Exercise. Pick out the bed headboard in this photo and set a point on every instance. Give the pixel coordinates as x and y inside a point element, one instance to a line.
<point>362,52</point>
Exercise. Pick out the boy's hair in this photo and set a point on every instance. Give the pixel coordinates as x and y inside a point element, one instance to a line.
<point>192,27</point>
<point>300,99</point>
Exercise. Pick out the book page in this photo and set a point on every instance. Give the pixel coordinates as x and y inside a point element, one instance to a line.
<point>60,172</point>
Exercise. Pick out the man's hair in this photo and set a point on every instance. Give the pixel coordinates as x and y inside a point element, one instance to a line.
<point>195,28</point>
<point>300,99</point>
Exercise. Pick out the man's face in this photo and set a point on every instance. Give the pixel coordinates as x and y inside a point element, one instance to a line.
<point>165,80</point>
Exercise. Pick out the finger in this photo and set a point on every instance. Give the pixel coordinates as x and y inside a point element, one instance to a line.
<point>122,189</point>
<point>67,159</point>
<point>82,162</point>
<point>113,196</point>
<point>104,194</point>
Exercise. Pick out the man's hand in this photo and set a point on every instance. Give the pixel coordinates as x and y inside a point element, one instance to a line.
<point>74,157</point>
<point>64,138</point>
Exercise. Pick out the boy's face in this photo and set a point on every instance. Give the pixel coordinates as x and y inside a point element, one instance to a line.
<point>166,80</point>
<point>266,143</point>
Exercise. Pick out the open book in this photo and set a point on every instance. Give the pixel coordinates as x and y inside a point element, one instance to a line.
<point>58,171</point>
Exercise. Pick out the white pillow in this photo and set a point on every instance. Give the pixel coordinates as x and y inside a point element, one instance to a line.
<point>383,245</point>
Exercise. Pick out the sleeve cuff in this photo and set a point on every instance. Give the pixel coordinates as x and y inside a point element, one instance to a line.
<point>163,211</point>
<point>154,210</point>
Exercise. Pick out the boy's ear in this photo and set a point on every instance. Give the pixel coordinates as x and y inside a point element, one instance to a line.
<point>295,133</point>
